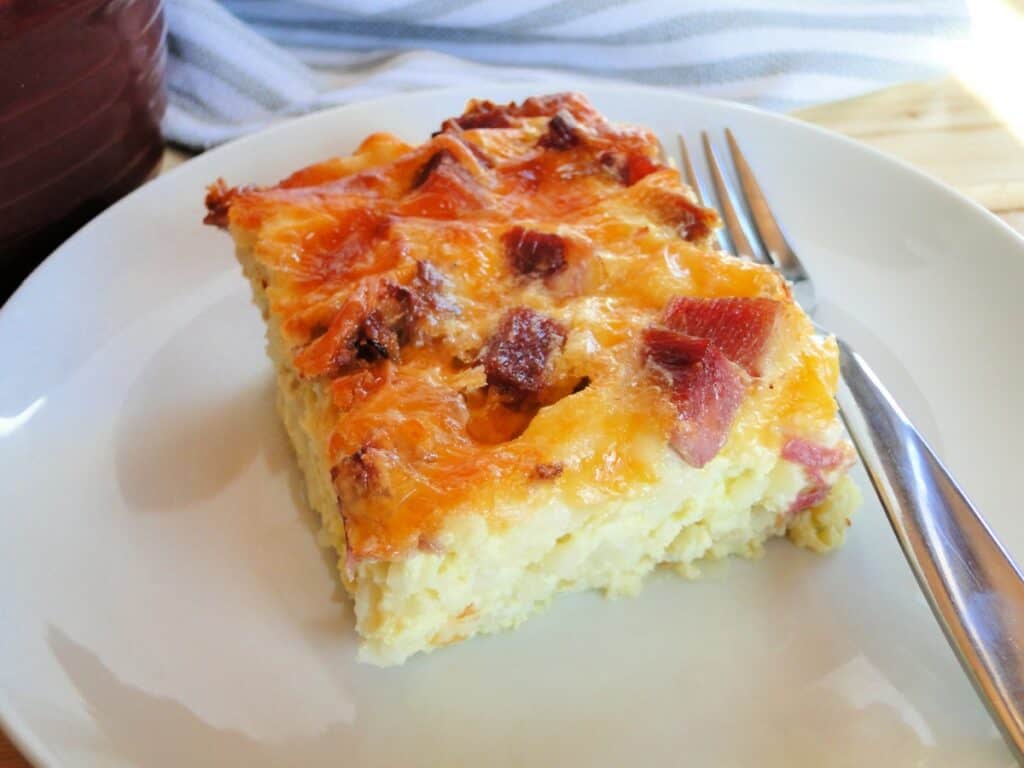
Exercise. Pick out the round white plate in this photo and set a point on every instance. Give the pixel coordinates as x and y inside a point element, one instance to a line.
<point>163,601</point>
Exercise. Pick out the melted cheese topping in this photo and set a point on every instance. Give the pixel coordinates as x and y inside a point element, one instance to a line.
<point>419,436</point>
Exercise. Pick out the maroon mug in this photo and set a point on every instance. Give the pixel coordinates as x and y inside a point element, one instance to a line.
<point>81,98</point>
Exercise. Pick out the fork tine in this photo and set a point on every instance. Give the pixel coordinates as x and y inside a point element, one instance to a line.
<point>740,243</point>
<point>691,177</point>
<point>694,183</point>
<point>767,226</point>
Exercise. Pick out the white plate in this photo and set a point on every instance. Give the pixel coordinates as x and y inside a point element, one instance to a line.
<point>163,601</point>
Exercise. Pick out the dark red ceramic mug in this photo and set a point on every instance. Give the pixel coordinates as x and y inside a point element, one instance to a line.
<point>81,98</point>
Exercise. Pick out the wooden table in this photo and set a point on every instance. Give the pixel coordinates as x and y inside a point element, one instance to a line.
<point>939,127</point>
<point>946,131</point>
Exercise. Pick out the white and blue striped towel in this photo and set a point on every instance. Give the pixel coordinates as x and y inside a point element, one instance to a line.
<point>238,65</point>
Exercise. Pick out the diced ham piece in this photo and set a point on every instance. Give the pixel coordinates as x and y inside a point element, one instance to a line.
<point>378,317</point>
<point>537,254</point>
<point>693,221</point>
<point>568,266</point>
<point>816,459</point>
<point>361,476</point>
<point>629,168</point>
<point>706,389</point>
<point>815,456</point>
<point>673,208</point>
<point>637,167</point>
<point>516,356</point>
<point>358,475</point>
<point>218,203</point>
<point>562,133</point>
<point>811,496</point>
<point>739,327</point>
<point>486,114</point>
<point>489,115</point>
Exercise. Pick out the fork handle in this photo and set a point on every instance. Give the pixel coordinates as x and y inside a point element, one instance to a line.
<point>972,585</point>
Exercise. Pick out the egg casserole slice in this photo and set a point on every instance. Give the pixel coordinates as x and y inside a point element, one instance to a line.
<point>512,364</point>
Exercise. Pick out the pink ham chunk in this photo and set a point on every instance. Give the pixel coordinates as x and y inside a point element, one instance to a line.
<point>815,456</point>
<point>816,459</point>
<point>535,254</point>
<point>739,327</point>
<point>811,496</point>
<point>705,387</point>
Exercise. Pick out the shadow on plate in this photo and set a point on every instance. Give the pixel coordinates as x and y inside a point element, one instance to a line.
<point>827,725</point>
<point>189,456</point>
<point>197,414</point>
<point>143,729</point>
<point>196,418</point>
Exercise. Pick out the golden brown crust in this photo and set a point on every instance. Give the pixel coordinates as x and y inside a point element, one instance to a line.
<point>392,273</point>
<point>218,203</point>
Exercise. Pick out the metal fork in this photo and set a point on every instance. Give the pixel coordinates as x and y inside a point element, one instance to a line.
<point>974,588</point>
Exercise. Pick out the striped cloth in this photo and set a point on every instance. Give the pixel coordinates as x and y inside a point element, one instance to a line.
<point>239,65</point>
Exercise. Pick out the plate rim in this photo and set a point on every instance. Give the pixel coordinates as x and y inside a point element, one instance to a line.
<point>32,746</point>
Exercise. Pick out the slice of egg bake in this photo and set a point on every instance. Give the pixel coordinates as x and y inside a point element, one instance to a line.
<point>512,364</point>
